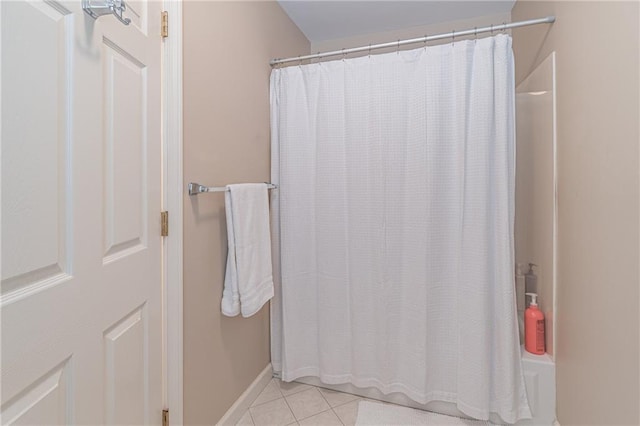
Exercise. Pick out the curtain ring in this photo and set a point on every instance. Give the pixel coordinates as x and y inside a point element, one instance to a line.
<point>343,54</point>
<point>453,37</point>
<point>491,29</point>
<point>504,27</point>
<point>318,58</point>
<point>299,60</point>
<point>398,48</point>
<point>426,36</point>
<point>369,50</point>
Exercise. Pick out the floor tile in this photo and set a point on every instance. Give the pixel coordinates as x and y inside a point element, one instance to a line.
<point>289,388</point>
<point>270,392</point>
<point>326,418</point>
<point>273,413</point>
<point>335,398</point>
<point>245,420</point>
<point>307,403</point>
<point>348,413</point>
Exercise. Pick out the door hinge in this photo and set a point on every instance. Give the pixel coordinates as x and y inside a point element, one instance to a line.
<point>164,224</point>
<point>164,26</point>
<point>165,417</point>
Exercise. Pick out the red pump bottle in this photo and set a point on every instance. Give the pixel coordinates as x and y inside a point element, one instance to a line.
<point>534,327</point>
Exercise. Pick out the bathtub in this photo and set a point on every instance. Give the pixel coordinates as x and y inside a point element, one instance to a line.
<point>539,376</point>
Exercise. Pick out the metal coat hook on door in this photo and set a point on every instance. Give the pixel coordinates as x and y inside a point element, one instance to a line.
<point>98,8</point>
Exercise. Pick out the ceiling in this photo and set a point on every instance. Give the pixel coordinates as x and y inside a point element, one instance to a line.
<point>330,19</point>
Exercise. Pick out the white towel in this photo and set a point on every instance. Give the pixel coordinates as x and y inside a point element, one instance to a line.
<point>248,281</point>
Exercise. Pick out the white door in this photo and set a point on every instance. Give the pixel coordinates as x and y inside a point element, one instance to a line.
<point>81,293</point>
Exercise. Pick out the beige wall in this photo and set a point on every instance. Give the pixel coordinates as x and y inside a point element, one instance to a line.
<point>411,32</point>
<point>598,133</point>
<point>227,47</point>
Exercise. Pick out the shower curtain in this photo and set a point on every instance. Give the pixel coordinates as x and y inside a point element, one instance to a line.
<point>393,225</point>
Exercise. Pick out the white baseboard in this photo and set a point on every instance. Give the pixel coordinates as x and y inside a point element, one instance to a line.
<point>242,404</point>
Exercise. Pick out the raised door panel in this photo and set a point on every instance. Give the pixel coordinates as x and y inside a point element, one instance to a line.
<point>126,370</point>
<point>46,401</point>
<point>125,144</point>
<point>36,144</point>
<point>137,11</point>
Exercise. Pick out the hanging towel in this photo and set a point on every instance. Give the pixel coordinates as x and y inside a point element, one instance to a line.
<point>248,281</point>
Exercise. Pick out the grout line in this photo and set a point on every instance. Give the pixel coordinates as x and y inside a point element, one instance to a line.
<point>283,396</point>
<point>323,397</point>
<point>286,403</point>
<point>294,414</point>
<point>339,419</point>
<point>319,412</point>
<point>289,407</point>
<point>358,398</point>
<point>274,383</point>
<point>301,390</point>
<point>266,402</point>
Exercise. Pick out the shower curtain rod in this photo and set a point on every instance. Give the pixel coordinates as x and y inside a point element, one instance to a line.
<point>452,34</point>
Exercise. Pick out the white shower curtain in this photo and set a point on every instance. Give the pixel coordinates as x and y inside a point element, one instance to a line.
<point>393,225</point>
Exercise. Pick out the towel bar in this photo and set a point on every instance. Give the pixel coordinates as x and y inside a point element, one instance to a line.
<point>196,188</point>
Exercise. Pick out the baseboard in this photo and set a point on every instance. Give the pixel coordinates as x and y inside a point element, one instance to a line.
<point>242,404</point>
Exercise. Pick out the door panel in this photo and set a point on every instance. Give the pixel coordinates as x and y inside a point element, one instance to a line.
<point>81,291</point>
<point>46,398</point>
<point>137,12</point>
<point>125,146</point>
<point>125,359</point>
<point>35,220</point>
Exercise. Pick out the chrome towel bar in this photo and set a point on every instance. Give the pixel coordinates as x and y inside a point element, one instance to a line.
<point>196,188</point>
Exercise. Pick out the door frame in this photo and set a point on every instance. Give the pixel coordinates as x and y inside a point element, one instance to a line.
<point>172,195</point>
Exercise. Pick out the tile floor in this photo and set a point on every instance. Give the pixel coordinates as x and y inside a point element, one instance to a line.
<point>282,404</point>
